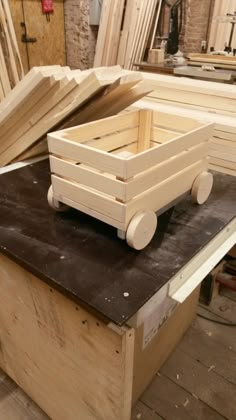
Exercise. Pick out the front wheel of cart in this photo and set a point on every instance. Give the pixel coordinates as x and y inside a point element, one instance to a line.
<point>55,204</point>
<point>202,187</point>
<point>141,229</point>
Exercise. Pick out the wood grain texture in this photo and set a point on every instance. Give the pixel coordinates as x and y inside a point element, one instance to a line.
<point>95,357</point>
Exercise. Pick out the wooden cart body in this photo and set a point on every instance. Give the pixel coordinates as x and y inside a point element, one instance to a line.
<point>114,168</point>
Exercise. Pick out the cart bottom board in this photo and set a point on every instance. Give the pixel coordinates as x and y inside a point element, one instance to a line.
<point>69,361</point>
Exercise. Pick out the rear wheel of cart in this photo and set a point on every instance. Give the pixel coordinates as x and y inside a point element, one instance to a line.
<point>202,187</point>
<point>141,229</point>
<point>55,204</point>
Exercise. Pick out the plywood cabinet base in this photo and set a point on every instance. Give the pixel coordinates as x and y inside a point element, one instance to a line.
<point>69,362</point>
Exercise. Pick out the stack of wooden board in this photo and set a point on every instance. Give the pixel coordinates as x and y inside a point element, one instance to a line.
<point>53,96</point>
<point>222,153</point>
<point>220,61</point>
<point>197,94</point>
<point>11,70</point>
<point>124,30</point>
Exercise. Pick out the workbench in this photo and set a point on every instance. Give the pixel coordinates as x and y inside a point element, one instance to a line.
<point>81,312</point>
<point>217,75</point>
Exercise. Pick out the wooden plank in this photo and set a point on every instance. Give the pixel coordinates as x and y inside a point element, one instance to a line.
<point>95,352</point>
<point>101,203</point>
<point>85,176</point>
<point>215,332</point>
<point>6,86</point>
<point>224,307</point>
<point>167,191</point>
<point>100,128</point>
<point>15,404</point>
<point>222,169</point>
<point>141,411</point>
<point>49,92</point>
<point>224,135</point>
<point>161,172</point>
<point>8,47</point>
<point>172,401</point>
<point>95,158</point>
<point>206,88</point>
<point>144,133</point>
<point>94,110</point>
<point>222,155</point>
<point>198,99</point>
<point>39,148</point>
<point>10,24</point>
<point>165,151</point>
<point>223,163</point>
<point>160,135</point>
<point>175,122</point>
<point>86,88</point>
<point>133,95</point>
<point>222,361</point>
<point>114,141</point>
<point>106,6</point>
<point>206,385</point>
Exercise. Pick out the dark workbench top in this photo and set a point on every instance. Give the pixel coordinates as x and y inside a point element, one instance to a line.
<point>84,259</point>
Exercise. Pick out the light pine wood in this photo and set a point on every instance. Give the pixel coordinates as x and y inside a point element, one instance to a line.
<point>167,191</point>
<point>103,172</point>
<point>202,187</point>
<point>145,125</point>
<point>145,160</point>
<point>86,176</point>
<point>91,199</point>
<point>102,355</point>
<point>95,129</point>
<point>95,109</point>
<point>141,229</point>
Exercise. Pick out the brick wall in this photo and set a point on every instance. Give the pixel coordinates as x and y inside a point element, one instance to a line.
<point>196,25</point>
<point>80,36</point>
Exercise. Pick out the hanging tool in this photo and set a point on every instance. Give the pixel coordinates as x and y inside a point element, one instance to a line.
<point>47,8</point>
<point>175,26</point>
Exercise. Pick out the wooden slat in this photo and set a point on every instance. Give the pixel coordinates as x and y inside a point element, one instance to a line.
<point>86,176</point>
<point>100,128</point>
<point>207,386</point>
<point>163,171</point>
<point>91,199</point>
<point>167,191</point>
<point>95,158</point>
<point>161,135</point>
<point>88,86</point>
<point>144,133</point>
<point>94,110</point>
<point>115,140</point>
<point>165,151</point>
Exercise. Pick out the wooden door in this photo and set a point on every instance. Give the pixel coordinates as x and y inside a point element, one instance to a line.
<point>49,47</point>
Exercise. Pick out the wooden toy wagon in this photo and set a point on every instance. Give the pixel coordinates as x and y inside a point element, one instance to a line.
<point>125,168</point>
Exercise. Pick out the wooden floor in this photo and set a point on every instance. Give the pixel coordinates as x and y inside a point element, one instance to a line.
<point>197,382</point>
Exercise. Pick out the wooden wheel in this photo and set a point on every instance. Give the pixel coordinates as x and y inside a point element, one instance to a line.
<point>202,187</point>
<point>56,205</point>
<point>141,229</point>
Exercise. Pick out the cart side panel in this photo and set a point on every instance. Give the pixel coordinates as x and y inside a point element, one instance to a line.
<point>159,196</point>
<point>85,175</point>
<point>97,159</point>
<point>101,127</point>
<point>153,156</point>
<point>101,203</point>
<point>159,173</point>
